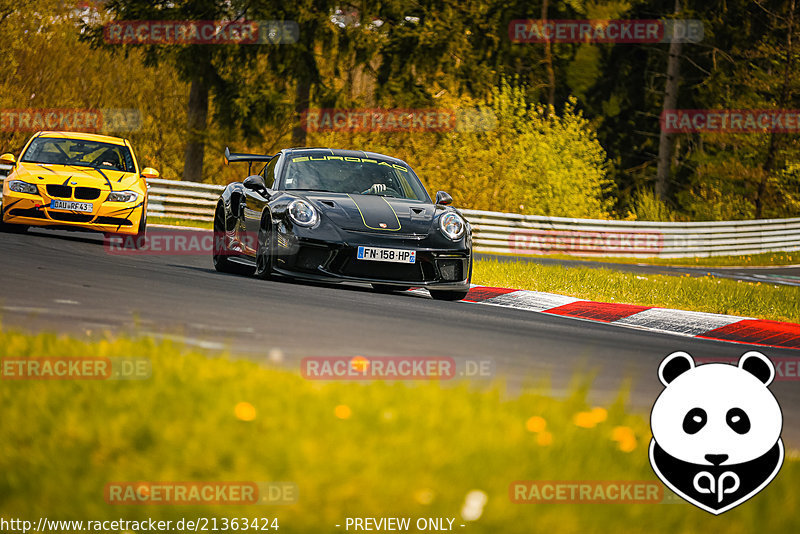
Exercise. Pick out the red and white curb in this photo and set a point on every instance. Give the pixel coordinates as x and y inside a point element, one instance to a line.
<point>687,323</point>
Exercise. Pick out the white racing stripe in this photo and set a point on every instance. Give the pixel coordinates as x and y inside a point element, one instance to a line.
<point>531,300</point>
<point>678,321</point>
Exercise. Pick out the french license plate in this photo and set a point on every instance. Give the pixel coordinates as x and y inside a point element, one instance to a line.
<point>66,205</point>
<point>393,255</point>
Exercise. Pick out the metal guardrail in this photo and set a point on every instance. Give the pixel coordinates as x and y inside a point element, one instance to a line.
<point>182,200</point>
<point>507,233</point>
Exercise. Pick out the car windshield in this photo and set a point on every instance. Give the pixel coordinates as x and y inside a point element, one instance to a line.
<point>80,153</point>
<point>353,175</point>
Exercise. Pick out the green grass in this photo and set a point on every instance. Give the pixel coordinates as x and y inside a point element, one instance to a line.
<point>411,450</point>
<point>706,294</point>
<point>747,260</point>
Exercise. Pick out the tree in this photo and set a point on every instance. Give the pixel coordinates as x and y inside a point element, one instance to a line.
<point>196,64</point>
<point>786,91</point>
<point>670,102</point>
<point>749,175</point>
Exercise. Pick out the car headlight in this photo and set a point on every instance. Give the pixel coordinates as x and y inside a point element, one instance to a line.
<point>122,196</point>
<point>303,213</point>
<point>452,225</point>
<point>23,187</point>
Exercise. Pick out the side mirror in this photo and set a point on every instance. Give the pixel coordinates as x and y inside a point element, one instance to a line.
<point>443,198</point>
<point>8,159</point>
<point>150,173</point>
<point>256,183</point>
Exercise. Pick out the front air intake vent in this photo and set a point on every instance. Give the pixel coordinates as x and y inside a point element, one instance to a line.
<point>60,191</point>
<point>87,193</point>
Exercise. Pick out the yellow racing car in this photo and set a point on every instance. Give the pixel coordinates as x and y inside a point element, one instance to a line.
<point>76,181</point>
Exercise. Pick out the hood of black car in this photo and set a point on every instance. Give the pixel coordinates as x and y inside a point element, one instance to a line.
<point>374,213</point>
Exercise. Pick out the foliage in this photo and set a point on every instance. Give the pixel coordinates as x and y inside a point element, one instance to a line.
<point>743,62</point>
<point>421,447</point>
<point>595,157</point>
<point>517,157</point>
<point>648,207</point>
<point>49,66</point>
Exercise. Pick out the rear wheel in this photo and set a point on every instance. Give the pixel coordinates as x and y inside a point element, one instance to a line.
<point>221,255</point>
<point>448,295</point>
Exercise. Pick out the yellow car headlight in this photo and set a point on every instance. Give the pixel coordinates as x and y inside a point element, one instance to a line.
<point>122,196</point>
<point>23,187</point>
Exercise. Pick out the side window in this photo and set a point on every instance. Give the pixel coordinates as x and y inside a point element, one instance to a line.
<point>408,191</point>
<point>269,172</point>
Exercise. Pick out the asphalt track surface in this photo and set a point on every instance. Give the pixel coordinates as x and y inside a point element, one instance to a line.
<point>69,283</point>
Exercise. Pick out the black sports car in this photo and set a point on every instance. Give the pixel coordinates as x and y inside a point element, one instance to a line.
<point>342,215</point>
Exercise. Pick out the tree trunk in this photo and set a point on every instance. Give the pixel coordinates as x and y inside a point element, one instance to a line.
<point>665,140</point>
<point>548,61</point>
<point>196,130</point>
<point>302,101</point>
<point>783,100</point>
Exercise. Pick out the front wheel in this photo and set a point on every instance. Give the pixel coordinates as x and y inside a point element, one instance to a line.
<point>448,295</point>
<point>12,228</point>
<point>142,231</point>
<point>263,254</point>
<point>386,288</point>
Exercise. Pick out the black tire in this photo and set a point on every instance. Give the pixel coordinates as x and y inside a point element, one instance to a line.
<point>142,231</point>
<point>448,295</point>
<point>221,256</point>
<point>134,242</point>
<point>385,288</point>
<point>453,295</point>
<point>264,253</point>
<point>11,228</point>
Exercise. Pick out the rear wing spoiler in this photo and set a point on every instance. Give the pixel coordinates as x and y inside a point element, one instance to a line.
<point>232,157</point>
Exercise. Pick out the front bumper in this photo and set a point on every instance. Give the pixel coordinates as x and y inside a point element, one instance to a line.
<point>34,210</point>
<point>437,264</point>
